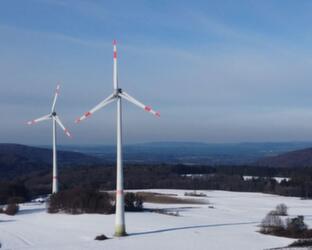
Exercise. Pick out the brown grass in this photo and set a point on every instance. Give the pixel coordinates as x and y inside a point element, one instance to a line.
<point>168,199</point>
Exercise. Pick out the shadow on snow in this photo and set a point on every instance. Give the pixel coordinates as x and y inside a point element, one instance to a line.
<point>31,211</point>
<point>192,227</point>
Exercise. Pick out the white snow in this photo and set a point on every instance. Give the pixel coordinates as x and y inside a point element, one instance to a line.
<point>278,179</point>
<point>231,224</point>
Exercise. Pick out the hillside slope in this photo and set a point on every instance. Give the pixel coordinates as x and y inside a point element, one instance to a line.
<point>18,159</point>
<point>298,158</point>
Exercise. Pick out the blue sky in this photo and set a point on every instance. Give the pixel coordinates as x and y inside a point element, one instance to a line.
<point>218,71</point>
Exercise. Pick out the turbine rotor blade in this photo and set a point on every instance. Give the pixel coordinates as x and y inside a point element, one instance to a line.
<point>40,119</point>
<point>57,92</point>
<point>139,104</point>
<point>115,74</point>
<point>102,104</point>
<point>57,119</point>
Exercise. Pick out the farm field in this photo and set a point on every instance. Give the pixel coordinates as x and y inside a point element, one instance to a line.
<point>229,221</point>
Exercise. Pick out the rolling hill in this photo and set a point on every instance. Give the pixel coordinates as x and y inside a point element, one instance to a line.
<point>191,153</point>
<point>18,159</point>
<point>298,158</point>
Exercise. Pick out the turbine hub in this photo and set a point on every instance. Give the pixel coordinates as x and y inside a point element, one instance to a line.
<point>117,92</point>
<point>54,114</point>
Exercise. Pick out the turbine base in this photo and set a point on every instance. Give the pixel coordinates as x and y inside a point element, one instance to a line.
<point>120,231</point>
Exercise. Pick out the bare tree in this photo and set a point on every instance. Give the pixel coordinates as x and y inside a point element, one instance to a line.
<point>281,209</point>
<point>271,223</point>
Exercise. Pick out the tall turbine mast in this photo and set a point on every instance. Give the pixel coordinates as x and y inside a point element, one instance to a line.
<point>120,228</point>
<point>118,94</point>
<point>55,121</point>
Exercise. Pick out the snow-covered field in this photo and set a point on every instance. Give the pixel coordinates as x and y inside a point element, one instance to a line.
<point>278,179</point>
<point>231,224</point>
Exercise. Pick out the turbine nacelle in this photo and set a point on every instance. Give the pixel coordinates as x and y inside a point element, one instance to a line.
<point>117,92</point>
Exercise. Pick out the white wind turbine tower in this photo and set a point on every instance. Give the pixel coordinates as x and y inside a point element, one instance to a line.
<point>55,120</point>
<point>118,94</point>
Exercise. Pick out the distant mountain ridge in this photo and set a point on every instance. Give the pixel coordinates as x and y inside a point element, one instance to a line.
<point>19,159</point>
<point>191,152</point>
<point>297,159</point>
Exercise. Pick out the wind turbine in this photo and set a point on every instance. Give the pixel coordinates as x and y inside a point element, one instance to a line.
<point>118,94</point>
<point>55,120</point>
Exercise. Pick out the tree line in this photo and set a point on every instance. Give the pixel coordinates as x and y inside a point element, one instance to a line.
<point>99,177</point>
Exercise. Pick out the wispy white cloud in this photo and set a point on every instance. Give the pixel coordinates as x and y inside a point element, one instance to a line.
<point>54,36</point>
<point>206,74</point>
<point>90,8</point>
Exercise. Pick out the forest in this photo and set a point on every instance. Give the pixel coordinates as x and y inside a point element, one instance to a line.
<point>99,177</point>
